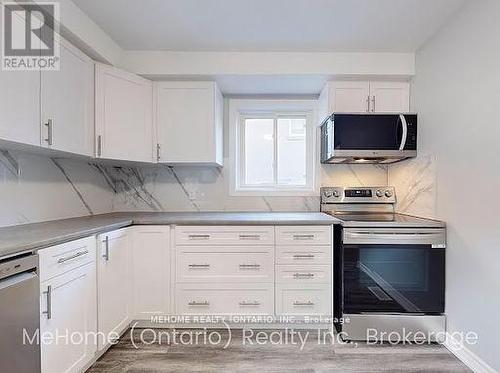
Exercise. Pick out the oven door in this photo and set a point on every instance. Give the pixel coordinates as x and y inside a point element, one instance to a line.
<point>393,271</point>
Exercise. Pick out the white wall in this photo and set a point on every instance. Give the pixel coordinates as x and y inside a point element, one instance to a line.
<point>456,92</point>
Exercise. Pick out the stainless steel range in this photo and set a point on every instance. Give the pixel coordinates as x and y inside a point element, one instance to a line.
<point>390,268</point>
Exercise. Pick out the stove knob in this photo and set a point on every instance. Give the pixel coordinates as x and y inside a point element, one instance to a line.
<point>388,193</point>
<point>327,193</point>
<point>379,193</point>
<point>336,194</point>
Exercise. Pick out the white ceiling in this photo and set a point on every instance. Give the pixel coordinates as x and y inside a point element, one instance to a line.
<point>270,25</point>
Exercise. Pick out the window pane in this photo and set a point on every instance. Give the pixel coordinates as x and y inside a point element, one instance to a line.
<point>292,151</point>
<point>259,153</point>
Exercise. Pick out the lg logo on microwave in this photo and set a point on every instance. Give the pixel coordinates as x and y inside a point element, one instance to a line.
<point>30,36</point>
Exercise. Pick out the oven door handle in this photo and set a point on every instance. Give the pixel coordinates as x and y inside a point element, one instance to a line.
<point>436,239</point>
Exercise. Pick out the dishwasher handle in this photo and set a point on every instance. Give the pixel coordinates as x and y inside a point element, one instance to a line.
<point>17,279</point>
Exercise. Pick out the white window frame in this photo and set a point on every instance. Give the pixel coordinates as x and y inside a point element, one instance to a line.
<point>241,109</point>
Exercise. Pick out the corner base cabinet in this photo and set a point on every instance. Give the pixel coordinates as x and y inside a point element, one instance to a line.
<point>150,262</point>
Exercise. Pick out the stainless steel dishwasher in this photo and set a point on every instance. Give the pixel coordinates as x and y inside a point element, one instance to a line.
<point>19,314</point>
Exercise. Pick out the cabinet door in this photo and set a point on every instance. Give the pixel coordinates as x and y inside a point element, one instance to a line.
<point>19,103</point>
<point>124,125</point>
<point>67,99</point>
<point>113,284</point>
<point>349,97</point>
<point>68,306</point>
<point>151,271</point>
<point>390,97</point>
<point>187,129</point>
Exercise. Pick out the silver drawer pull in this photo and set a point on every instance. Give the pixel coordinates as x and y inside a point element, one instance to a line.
<point>199,236</point>
<point>247,303</point>
<point>199,265</point>
<point>48,293</point>
<point>249,266</point>
<point>303,237</point>
<point>74,256</point>
<point>202,303</point>
<point>303,275</point>
<point>249,236</point>
<point>299,303</point>
<point>303,256</point>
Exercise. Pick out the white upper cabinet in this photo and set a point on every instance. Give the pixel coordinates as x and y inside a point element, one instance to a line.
<point>390,97</point>
<point>67,103</point>
<point>346,97</point>
<point>124,125</point>
<point>364,97</point>
<point>188,119</point>
<point>20,106</point>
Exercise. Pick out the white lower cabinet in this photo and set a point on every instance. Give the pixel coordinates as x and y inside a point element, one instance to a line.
<point>301,300</point>
<point>304,277</point>
<point>150,262</point>
<point>225,299</point>
<point>114,284</point>
<point>225,264</point>
<point>68,319</point>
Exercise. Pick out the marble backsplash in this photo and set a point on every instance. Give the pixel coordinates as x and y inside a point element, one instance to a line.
<point>37,188</point>
<point>415,183</point>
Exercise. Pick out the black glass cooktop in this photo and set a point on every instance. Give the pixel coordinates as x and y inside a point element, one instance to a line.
<point>383,219</point>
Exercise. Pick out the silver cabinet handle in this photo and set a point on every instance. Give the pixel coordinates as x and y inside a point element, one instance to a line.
<point>199,265</point>
<point>249,236</point>
<point>300,303</point>
<point>49,126</point>
<point>196,303</point>
<point>248,303</point>
<point>106,249</point>
<point>303,256</point>
<point>368,104</point>
<point>99,145</point>
<point>373,103</point>
<point>158,150</point>
<point>249,266</point>
<point>199,236</point>
<point>74,256</point>
<point>298,275</point>
<point>48,294</point>
<point>303,236</point>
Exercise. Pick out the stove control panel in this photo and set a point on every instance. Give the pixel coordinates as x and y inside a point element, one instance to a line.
<point>385,194</point>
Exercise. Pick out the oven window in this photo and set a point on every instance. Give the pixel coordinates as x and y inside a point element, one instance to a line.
<point>393,278</point>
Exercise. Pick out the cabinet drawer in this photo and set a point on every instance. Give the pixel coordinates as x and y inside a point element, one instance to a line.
<point>203,300</point>
<point>300,235</point>
<point>305,274</point>
<point>228,264</point>
<point>312,254</point>
<point>224,235</point>
<point>301,301</point>
<point>65,257</point>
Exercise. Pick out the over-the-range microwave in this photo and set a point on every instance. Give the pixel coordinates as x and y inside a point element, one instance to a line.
<point>368,138</point>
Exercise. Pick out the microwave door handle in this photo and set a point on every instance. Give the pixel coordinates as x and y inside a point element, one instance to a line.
<point>404,135</point>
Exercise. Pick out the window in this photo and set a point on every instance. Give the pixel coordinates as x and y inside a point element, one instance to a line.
<point>273,152</point>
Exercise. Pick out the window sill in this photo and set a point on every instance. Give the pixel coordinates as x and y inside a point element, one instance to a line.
<point>274,193</point>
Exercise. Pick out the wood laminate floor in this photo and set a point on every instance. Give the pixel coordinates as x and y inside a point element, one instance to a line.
<point>158,351</point>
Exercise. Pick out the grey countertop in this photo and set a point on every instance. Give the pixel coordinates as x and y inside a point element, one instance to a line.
<point>35,236</point>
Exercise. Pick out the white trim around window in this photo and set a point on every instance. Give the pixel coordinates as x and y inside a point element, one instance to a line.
<point>243,109</point>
